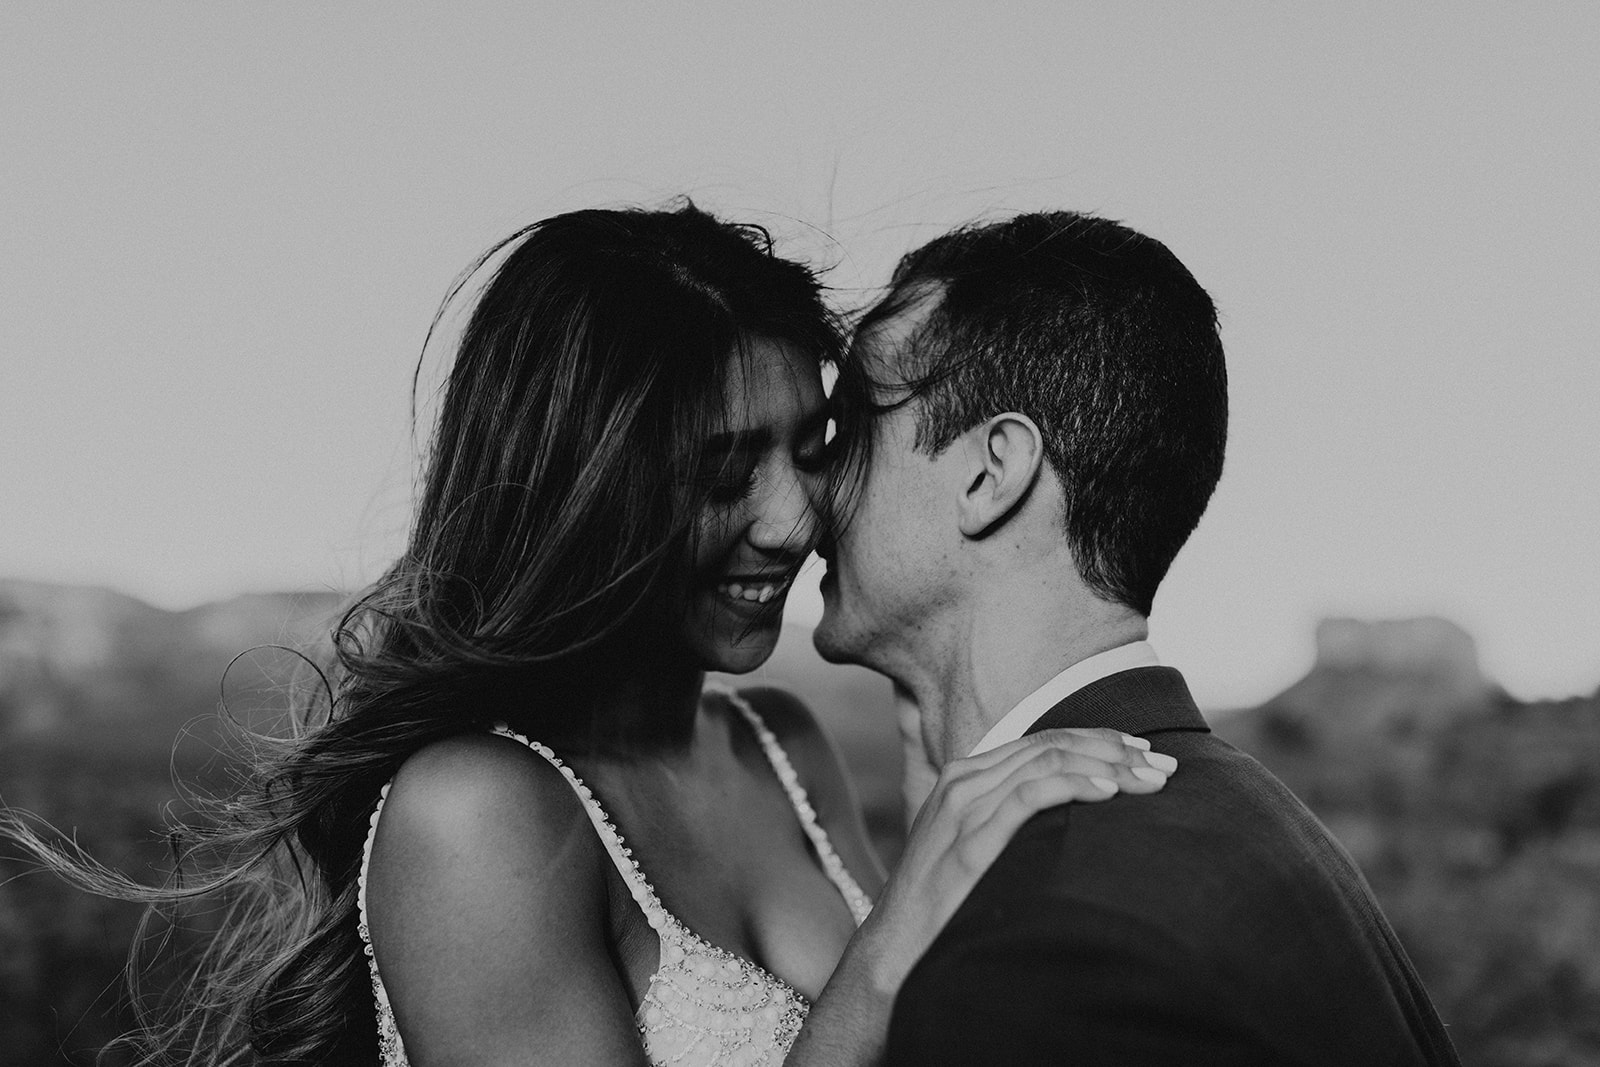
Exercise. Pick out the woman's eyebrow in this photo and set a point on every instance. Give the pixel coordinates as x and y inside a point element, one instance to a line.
<point>759,438</point>
<point>738,441</point>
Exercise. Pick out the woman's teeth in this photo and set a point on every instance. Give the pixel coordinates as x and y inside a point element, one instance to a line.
<point>755,594</point>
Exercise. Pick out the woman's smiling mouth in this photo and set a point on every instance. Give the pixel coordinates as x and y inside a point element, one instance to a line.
<point>754,590</point>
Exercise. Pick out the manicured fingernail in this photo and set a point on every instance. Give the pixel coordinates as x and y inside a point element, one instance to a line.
<point>1147,774</point>
<point>1105,783</point>
<point>1161,762</point>
<point>1135,742</point>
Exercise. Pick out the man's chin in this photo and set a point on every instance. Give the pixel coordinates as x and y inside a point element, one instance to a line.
<point>829,640</point>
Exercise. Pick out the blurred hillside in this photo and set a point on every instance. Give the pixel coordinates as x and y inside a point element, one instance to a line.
<point>105,701</point>
<point>81,662</point>
<point>1476,817</point>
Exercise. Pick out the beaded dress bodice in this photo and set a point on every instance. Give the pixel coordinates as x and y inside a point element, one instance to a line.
<point>704,1006</point>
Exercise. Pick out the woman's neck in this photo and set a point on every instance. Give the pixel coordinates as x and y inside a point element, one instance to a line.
<point>632,707</point>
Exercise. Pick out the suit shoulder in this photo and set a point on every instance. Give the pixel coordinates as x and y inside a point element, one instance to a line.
<point>1220,840</point>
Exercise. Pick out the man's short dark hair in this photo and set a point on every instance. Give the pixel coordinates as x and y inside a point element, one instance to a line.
<point>1102,337</point>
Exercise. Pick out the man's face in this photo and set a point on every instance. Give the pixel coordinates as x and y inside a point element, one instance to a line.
<point>892,563</point>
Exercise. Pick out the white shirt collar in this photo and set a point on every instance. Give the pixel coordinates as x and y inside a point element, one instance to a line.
<point>1015,722</point>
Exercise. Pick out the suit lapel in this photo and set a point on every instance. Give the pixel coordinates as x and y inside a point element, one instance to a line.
<point>1139,701</point>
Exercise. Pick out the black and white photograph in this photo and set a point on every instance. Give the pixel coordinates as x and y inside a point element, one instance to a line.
<point>835,535</point>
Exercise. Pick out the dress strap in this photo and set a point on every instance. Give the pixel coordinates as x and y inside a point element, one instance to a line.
<point>860,904</point>
<point>391,1050</point>
<point>639,886</point>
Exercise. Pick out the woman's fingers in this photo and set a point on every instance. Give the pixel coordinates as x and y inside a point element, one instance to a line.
<point>1109,745</point>
<point>1052,771</point>
<point>970,799</point>
<point>1090,753</point>
<point>1135,769</point>
<point>1052,762</point>
<point>1099,742</point>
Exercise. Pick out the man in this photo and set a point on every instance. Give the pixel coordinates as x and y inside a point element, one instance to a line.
<point>1048,416</point>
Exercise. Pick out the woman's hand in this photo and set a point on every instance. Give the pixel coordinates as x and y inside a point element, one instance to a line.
<point>976,805</point>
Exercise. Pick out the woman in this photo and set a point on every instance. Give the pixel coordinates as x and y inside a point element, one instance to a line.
<point>626,474</point>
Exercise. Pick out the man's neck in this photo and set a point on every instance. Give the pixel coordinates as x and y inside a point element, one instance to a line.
<point>1002,650</point>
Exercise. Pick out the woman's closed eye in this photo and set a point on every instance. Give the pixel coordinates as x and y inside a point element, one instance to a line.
<point>733,483</point>
<point>734,474</point>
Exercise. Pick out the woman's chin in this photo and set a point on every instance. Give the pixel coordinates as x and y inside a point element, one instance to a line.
<point>735,638</point>
<point>746,656</point>
<point>743,651</point>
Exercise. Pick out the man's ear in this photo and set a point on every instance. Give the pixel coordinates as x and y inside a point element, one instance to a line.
<point>1004,456</point>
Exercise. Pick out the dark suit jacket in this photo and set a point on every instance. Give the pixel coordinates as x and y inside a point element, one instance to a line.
<point>1216,922</point>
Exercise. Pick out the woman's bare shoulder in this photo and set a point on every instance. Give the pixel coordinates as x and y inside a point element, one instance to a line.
<point>476,814</point>
<point>487,907</point>
<point>483,779</point>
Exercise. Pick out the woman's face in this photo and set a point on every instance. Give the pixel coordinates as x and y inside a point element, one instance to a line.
<point>759,524</point>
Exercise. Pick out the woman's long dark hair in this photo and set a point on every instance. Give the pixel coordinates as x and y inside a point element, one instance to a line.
<point>560,492</point>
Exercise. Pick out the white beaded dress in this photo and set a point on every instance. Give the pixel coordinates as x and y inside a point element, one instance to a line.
<point>704,1006</point>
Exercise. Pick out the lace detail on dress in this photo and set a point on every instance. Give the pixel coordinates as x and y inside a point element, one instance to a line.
<point>391,1052</point>
<point>704,1006</point>
<point>860,904</point>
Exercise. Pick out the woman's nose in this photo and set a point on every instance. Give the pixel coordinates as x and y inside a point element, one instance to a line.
<point>785,521</point>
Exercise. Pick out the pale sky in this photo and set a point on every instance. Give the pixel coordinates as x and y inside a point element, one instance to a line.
<point>224,228</point>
